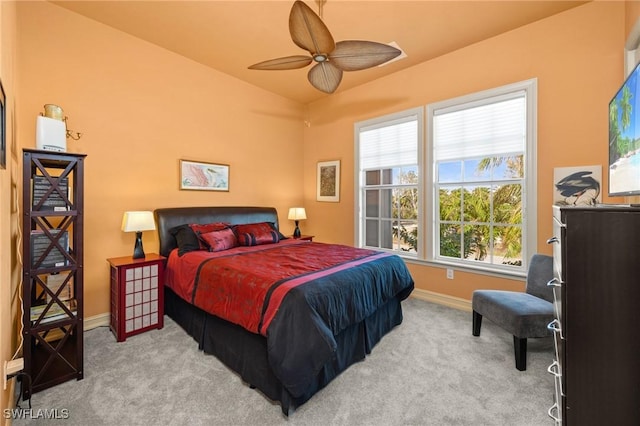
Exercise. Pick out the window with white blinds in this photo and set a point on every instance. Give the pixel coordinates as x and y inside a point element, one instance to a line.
<point>455,186</point>
<point>482,166</point>
<point>388,181</point>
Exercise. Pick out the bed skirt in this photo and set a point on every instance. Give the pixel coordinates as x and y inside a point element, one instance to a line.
<point>246,353</point>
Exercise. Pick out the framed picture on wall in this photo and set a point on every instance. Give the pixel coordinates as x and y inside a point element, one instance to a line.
<point>201,176</point>
<point>328,181</point>
<point>3,130</point>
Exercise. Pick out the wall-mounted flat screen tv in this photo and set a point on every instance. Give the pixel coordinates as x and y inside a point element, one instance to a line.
<point>624,138</point>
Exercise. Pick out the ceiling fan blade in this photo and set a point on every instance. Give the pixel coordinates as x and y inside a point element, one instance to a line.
<point>308,31</point>
<point>325,77</point>
<point>354,55</point>
<point>286,63</point>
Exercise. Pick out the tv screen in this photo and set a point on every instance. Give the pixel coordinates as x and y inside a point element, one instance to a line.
<point>624,138</point>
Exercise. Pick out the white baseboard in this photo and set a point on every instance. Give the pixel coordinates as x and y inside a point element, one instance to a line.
<point>442,299</point>
<point>95,321</point>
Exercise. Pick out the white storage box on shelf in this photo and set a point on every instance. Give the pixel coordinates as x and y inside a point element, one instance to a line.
<point>51,134</point>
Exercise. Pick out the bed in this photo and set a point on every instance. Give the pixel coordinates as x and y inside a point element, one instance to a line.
<point>315,309</point>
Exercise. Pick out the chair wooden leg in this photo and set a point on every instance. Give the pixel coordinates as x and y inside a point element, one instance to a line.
<point>477,323</point>
<point>520,349</point>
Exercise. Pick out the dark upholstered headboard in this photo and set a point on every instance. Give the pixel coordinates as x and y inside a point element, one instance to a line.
<point>167,218</point>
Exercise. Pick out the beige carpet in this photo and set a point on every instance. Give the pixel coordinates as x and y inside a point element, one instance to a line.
<point>429,370</point>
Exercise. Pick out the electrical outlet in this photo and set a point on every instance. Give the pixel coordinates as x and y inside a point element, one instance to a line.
<point>11,368</point>
<point>449,273</point>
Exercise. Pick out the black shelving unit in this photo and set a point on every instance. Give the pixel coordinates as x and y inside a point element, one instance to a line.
<point>52,256</point>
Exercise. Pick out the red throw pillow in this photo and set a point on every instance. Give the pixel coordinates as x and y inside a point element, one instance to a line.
<point>199,228</point>
<point>223,239</point>
<point>255,234</point>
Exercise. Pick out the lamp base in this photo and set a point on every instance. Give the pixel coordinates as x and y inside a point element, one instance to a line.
<point>296,232</point>
<point>138,251</point>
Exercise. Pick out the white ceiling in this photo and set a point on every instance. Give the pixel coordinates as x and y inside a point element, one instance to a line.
<point>231,35</point>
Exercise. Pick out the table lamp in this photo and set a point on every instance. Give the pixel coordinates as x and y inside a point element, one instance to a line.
<point>297,214</point>
<point>138,221</point>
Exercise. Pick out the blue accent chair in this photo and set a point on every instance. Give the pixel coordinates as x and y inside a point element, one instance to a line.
<point>524,315</point>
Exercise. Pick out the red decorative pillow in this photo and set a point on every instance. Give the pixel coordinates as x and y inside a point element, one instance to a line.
<point>223,239</point>
<point>207,227</point>
<point>255,234</point>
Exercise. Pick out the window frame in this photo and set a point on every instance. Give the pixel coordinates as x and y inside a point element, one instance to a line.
<point>529,199</point>
<point>428,213</point>
<point>359,184</point>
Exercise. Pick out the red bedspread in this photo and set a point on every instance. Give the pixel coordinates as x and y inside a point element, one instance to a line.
<point>235,284</point>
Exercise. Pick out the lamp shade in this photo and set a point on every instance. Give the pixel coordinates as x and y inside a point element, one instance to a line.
<point>138,221</point>
<point>297,213</point>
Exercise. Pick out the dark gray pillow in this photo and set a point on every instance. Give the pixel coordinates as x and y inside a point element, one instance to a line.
<point>185,237</point>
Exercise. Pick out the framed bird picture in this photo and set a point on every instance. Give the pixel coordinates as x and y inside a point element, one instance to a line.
<point>201,176</point>
<point>577,186</point>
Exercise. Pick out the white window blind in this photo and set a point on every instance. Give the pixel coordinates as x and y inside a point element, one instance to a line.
<point>474,131</point>
<point>389,144</point>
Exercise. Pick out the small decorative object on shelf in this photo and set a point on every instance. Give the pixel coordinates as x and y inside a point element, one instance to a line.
<point>137,295</point>
<point>52,251</point>
<point>52,131</point>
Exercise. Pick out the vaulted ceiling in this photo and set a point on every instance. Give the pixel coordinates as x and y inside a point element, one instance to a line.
<point>231,35</point>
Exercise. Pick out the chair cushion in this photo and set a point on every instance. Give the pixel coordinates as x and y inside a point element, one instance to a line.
<point>521,314</point>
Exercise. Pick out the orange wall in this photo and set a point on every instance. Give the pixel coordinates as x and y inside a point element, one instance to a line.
<point>9,271</point>
<point>141,109</point>
<point>577,58</point>
<point>632,13</point>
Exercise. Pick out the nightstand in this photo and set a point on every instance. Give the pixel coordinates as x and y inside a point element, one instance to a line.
<point>302,237</point>
<point>137,295</point>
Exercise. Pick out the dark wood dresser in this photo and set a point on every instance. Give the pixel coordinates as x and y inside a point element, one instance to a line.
<point>596,285</point>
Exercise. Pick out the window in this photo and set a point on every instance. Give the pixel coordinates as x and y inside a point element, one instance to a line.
<point>476,181</point>
<point>482,186</point>
<point>389,181</point>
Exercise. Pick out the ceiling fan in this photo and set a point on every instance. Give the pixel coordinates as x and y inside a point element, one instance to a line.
<point>310,33</point>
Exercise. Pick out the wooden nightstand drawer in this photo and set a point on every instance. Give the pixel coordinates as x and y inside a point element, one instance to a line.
<point>137,295</point>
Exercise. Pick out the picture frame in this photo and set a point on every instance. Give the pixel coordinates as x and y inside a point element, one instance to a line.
<point>3,129</point>
<point>328,181</point>
<point>577,186</point>
<point>204,176</point>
